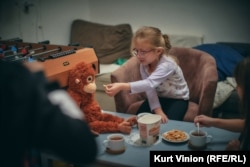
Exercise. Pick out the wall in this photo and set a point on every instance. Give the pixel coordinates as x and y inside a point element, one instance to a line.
<point>215,20</point>
<point>45,20</point>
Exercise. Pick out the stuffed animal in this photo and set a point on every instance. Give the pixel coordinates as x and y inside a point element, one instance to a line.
<point>82,88</point>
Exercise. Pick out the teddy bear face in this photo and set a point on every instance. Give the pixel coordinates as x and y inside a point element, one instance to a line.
<point>82,79</point>
<point>90,87</point>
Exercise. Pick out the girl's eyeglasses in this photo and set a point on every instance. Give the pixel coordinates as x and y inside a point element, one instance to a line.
<point>136,52</point>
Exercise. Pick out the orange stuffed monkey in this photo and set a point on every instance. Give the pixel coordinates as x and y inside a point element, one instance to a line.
<point>82,87</point>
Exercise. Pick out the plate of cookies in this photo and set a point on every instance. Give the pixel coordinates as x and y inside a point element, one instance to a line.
<point>175,136</point>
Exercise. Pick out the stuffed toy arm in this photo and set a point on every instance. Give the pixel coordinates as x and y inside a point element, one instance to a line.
<point>110,127</point>
<point>111,123</point>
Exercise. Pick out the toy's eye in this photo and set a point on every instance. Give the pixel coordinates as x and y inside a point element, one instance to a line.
<point>90,79</point>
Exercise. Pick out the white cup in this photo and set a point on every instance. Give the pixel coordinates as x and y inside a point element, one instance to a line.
<point>115,144</point>
<point>199,138</point>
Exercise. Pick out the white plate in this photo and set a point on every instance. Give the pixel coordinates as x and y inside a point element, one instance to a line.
<point>175,141</point>
<point>134,139</point>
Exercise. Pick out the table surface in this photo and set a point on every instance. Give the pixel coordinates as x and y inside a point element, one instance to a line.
<point>139,155</point>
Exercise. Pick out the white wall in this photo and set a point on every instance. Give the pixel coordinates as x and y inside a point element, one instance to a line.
<point>46,20</point>
<point>215,20</point>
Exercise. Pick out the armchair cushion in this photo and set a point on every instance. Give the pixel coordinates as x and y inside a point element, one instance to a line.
<point>109,41</point>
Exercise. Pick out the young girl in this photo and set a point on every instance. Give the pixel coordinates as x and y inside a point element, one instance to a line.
<point>242,77</point>
<point>162,79</point>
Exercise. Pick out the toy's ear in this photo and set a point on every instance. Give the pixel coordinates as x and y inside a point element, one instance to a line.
<point>77,81</point>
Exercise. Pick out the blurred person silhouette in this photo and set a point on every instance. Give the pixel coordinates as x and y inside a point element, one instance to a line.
<point>37,114</point>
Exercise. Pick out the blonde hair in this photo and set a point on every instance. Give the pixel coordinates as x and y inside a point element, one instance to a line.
<point>154,36</point>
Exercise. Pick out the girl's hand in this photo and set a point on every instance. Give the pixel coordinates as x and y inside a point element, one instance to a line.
<point>114,88</point>
<point>132,120</point>
<point>164,118</point>
<point>125,127</point>
<point>203,120</point>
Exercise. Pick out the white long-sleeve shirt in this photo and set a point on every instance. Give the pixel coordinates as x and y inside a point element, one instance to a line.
<point>166,81</point>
